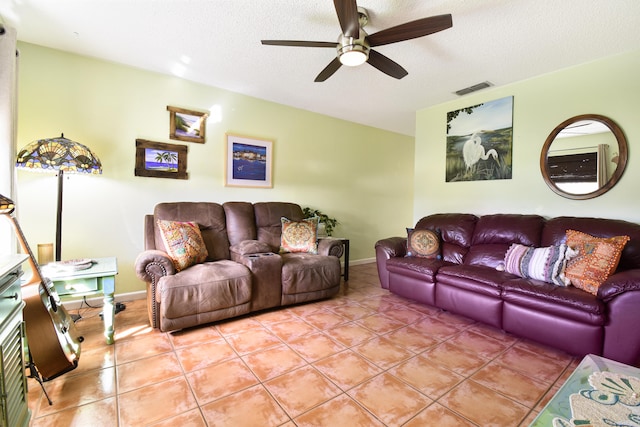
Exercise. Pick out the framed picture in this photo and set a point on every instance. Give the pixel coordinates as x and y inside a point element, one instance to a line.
<point>187,125</point>
<point>159,160</point>
<point>249,162</point>
<point>479,141</point>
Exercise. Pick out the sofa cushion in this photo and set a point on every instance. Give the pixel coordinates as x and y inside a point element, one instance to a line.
<point>547,264</point>
<point>596,260</point>
<point>268,220</point>
<point>247,247</point>
<point>183,242</point>
<point>299,236</point>
<point>487,255</point>
<point>305,273</point>
<point>204,288</point>
<point>423,243</point>
<point>241,222</point>
<point>487,281</point>
<point>508,229</point>
<point>567,302</point>
<point>210,218</point>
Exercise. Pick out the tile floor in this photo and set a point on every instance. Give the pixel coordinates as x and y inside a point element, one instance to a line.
<point>364,358</point>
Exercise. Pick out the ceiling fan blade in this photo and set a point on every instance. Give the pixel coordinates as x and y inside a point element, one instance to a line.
<point>347,11</point>
<point>298,43</point>
<point>328,70</point>
<point>411,30</point>
<point>386,65</point>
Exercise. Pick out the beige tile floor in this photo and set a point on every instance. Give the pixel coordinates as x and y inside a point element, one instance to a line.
<point>364,358</point>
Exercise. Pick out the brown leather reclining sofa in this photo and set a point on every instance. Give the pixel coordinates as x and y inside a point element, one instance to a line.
<point>244,271</point>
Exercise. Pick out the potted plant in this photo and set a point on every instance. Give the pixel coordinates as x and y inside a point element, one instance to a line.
<point>327,222</point>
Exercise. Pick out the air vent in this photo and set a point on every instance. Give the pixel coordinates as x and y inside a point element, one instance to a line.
<point>473,88</point>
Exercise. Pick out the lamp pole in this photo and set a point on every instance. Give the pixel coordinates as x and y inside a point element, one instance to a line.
<point>59,218</point>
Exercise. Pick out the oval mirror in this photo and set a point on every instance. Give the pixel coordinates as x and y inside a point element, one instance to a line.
<point>584,157</point>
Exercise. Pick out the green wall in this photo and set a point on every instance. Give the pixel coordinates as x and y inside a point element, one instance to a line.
<point>359,174</point>
<point>609,87</point>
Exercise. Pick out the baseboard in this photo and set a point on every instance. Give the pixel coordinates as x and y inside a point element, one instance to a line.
<point>97,301</point>
<point>362,261</point>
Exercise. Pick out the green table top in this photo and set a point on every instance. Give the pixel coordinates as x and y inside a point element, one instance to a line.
<point>100,267</point>
<point>600,392</point>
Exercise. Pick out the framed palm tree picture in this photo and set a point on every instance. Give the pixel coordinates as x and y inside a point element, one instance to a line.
<point>160,160</point>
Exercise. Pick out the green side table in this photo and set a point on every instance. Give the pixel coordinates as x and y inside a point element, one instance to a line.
<point>99,278</point>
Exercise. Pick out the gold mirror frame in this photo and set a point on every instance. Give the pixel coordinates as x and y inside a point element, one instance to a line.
<point>622,156</point>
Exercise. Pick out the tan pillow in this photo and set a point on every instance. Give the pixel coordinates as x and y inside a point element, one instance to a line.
<point>184,243</point>
<point>597,259</point>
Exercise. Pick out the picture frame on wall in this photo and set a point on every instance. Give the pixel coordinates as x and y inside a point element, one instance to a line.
<point>187,125</point>
<point>480,141</point>
<point>160,160</point>
<point>249,162</point>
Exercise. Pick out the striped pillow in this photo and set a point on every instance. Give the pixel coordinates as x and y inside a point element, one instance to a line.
<point>546,264</point>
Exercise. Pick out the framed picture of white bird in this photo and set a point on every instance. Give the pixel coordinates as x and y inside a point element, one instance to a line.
<point>480,141</point>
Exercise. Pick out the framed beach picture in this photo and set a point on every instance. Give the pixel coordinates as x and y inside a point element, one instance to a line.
<point>187,125</point>
<point>249,162</point>
<point>480,141</point>
<point>159,160</point>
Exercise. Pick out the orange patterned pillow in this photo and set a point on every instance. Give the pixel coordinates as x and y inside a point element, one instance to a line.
<point>597,259</point>
<point>299,236</point>
<point>183,242</point>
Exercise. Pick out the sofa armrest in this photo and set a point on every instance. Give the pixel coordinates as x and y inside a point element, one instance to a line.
<point>153,264</point>
<point>392,247</point>
<point>618,283</point>
<point>388,248</point>
<point>329,246</point>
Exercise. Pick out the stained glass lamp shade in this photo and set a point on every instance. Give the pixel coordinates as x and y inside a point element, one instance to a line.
<point>6,205</point>
<point>60,155</point>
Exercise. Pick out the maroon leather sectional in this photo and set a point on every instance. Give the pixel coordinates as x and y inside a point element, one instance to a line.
<point>465,281</point>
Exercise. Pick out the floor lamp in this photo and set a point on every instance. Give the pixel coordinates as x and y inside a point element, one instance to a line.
<point>60,155</point>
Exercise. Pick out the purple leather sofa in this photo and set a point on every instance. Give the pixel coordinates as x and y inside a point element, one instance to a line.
<point>243,272</point>
<point>467,282</point>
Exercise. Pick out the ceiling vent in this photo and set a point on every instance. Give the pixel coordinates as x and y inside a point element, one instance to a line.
<point>473,88</point>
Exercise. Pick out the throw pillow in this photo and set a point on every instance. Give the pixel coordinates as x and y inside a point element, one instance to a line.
<point>597,259</point>
<point>299,236</point>
<point>423,243</point>
<point>547,264</point>
<point>184,243</point>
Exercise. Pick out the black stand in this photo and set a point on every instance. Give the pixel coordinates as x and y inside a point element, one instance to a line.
<point>33,373</point>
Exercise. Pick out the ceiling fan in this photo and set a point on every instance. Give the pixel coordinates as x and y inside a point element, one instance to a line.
<point>354,44</point>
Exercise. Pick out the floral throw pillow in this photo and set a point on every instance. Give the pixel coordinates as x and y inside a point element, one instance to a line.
<point>299,236</point>
<point>597,259</point>
<point>184,243</point>
<point>423,244</point>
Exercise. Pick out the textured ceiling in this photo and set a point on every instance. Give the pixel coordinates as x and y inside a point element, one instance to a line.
<point>217,42</point>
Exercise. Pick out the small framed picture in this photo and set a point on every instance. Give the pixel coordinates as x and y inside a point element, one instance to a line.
<point>159,160</point>
<point>249,162</point>
<point>187,125</point>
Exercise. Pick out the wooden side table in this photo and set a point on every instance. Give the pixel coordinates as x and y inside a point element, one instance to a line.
<point>345,244</point>
<point>99,278</point>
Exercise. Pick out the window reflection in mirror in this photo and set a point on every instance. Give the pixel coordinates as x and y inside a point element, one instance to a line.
<point>584,157</point>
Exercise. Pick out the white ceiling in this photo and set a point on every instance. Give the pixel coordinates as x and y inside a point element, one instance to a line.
<point>217,42</point>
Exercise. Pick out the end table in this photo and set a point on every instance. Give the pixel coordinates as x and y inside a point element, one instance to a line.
<point>99,278</point>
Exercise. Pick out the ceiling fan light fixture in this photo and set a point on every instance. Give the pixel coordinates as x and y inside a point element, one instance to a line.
<point>353,52</point>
